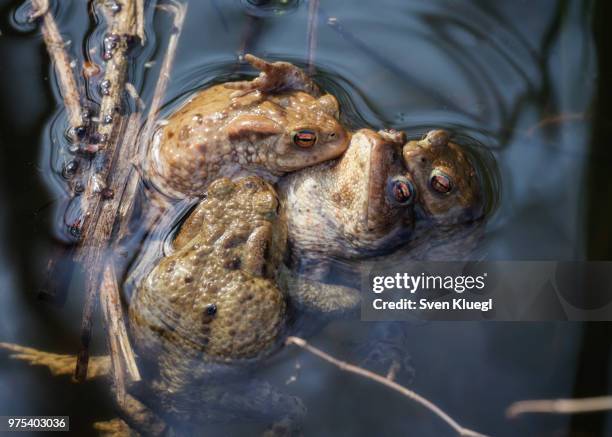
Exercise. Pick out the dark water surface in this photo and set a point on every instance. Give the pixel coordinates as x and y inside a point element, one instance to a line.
<point>528,80</point>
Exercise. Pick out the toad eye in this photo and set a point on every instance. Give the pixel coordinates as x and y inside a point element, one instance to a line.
<point>440,181</point>
<point>401,191</point>
<point>305,138</point>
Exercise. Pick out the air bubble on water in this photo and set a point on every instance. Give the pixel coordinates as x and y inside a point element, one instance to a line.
<point>105,86</point>
<point>70,169</point>
<point>114,6</point>
<point>110,43</point>
<point>73,219</point>
<point>98,184</point>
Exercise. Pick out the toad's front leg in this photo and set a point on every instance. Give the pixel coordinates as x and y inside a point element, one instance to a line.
<point>275,77</point>
<point>313,295</point>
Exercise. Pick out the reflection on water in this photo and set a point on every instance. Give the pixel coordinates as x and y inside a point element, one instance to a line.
<point>516,77</point>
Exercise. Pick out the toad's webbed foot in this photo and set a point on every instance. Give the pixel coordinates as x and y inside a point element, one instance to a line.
<point>328,299</point>
<point>275,77</point>
<point>58,364</point>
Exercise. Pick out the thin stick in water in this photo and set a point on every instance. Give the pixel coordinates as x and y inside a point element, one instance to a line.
<point>179,10</point>
<point>313,19</point>
<point>560,406</point>
<point>99,218</point>
<point>342,365</point>
<point>59,57</point>
<point>122,356</point>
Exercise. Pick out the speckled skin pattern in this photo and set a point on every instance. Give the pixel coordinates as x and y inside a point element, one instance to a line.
<point>436,152</point>
<point>226,254</point>
<point>339,209</point>
<point>214,294</point>
<point>342,209</point>
<point>246,127</point>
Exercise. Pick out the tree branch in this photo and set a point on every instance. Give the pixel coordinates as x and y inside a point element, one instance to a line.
<point>560,406</point>
<point>313,19</point>
<point>59,57</point>
<point>342,365</point>
<point>97,223</point>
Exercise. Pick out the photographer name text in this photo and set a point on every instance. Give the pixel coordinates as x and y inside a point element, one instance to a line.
<point>439,285</point>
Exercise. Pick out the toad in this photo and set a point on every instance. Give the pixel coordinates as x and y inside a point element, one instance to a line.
<point>203,317</point>
<point>367,204</point>
<point>277,123</point>
<point>449,188</point>
<point>215,290</point>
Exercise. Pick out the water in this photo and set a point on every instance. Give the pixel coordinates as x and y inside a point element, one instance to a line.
<point>522,78</point>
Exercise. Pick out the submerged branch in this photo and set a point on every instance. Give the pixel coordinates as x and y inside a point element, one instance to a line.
<point>140,24</point>
<point>59,57</point>
<point>313,19</point>
<point>110,209</point>
<point>342,365</point>
<point>101,185</point>
<point>122,355</point>
<point>560,406</point>
<point>58,364</point>
<point>179,10</point>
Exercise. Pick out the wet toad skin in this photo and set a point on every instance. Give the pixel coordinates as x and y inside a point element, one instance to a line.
<point>357,206</point>
<point>450,191</point>
<point>268,126</point>
<point>214,295</point>
<point>347,208</point>
<point>365,202</point>
<point>370,202</point>
<point>209,310</point>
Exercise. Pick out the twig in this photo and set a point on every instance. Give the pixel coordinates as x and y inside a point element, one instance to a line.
<point>179,10</point>
<point>560,406</point>
<point>98,220</point>
<point>57,52</point>
<point>555,120</point>
<point>313,18</point>
<point>393,369</point>
<point>122,356</point>
<point>140,25</point>
<point>116,210</point>
<point>106,302</point>
<point>58,364</point>
<point>342,365</point>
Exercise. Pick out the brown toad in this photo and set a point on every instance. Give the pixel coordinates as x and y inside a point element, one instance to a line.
<point>368,203</point>
<point>213,306</point>
<point>203,317</point>
<point>450,190</point>
<point>276,123</point>
<point>215,291</point>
